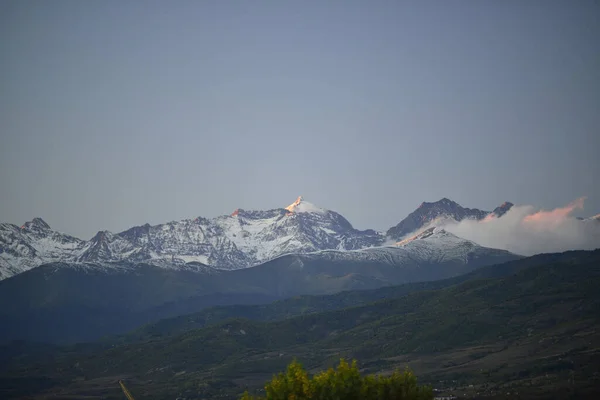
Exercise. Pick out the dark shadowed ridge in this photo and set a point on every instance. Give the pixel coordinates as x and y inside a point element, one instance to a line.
<point>524,323</point>
<point>114,298</point>
<point>446,208</point>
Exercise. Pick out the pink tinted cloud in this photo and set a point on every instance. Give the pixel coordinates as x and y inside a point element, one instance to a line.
<point>555,215</point>
<point>527,230</point>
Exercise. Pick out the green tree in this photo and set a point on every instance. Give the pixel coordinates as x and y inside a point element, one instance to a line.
<point>343,383</point>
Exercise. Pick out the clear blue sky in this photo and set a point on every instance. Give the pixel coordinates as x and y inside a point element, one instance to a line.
<point>114,113</point>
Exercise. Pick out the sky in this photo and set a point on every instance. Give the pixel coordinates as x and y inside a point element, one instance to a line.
<point>114,114</point>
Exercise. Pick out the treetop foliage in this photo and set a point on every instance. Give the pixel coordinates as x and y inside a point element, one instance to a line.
<point>343,383</point>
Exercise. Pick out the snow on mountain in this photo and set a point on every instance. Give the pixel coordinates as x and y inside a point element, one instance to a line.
<point>432,246</point>
<point>300,228</point>
<point>594,218</point>
<point>302,206</point>
<point>242,239</point>
<point>438,244</point>
<point>421,235</point>
<point>32,244</point>
<point>440,211</point>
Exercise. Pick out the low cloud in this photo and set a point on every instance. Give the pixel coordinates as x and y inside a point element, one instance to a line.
<point>526,230</point>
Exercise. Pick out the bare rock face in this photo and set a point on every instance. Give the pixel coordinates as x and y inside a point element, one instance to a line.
<point>444,209</point>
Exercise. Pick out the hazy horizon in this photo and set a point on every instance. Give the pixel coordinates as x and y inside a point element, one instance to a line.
<point>118,114</point>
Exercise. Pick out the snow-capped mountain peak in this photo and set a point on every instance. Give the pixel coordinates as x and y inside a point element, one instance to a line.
<point>302,206</point>
<point>36,224</point>
<point>242,239</point>
<point>31,244</point>
<point>295,204</point>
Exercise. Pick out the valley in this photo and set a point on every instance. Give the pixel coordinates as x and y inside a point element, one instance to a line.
<point>529,326</point>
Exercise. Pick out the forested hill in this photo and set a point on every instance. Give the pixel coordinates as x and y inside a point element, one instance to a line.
<point>534,330</point>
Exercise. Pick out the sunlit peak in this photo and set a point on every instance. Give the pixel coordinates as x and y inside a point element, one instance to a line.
<point>295,204</point>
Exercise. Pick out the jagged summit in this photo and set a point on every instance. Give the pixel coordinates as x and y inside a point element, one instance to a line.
<point>37,223</point>
<point>438,212</point>
<point>446,201</point>
<point>502,208</point>
<point>295,204</point>
<point>427,213</point>
<point>298,206</point>
<point>442,202</point>
<point>32,244</point>
<point>242,239</point>
<point>301,205</point>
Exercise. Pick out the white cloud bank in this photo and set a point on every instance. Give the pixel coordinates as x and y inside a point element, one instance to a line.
<point>527,231</point>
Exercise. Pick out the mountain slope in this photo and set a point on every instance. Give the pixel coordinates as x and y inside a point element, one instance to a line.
<point>308,304</point>
<point>444,209</point>
<point>240,240</point>
<point>32,244</point>
<point>534,331</point>
<point>113,297</point>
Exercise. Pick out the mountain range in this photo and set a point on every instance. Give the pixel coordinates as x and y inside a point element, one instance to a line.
<point>442,210</point>
<point>186,279</point>
<point>106,298</point>
<point>242,239</point>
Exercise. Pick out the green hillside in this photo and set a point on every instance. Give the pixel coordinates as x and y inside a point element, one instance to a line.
<point>301,305</point>
<point>534,331</point>
<point>107,300</point>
